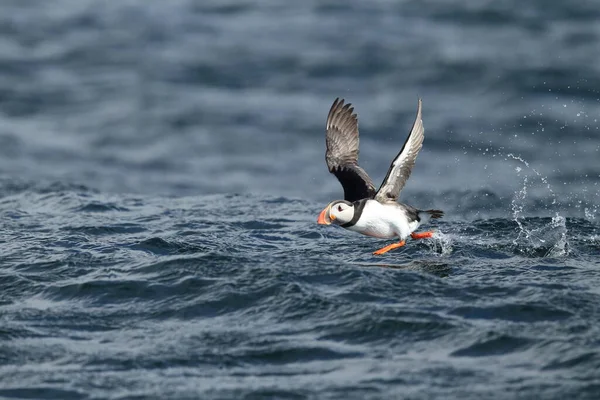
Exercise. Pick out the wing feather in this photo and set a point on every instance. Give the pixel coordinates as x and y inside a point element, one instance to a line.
<point>342,152</point>
<point>402,166</point>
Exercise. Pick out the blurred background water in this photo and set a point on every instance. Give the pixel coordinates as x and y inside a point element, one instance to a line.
<point>162,167</point>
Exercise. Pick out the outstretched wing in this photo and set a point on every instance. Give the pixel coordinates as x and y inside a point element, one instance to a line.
<point>403,163</point>
<point>342,152</point>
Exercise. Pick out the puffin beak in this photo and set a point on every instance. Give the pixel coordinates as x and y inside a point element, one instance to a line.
<point>322,220</point>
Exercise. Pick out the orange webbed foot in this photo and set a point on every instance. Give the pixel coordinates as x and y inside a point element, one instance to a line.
<point>421,235</point>
<point>389,247</point>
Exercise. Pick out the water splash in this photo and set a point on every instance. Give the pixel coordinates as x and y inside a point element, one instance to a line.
<point>441,243</point>
<point>541,177</point>
<point>552,236</point>
<point>558,229</point>
<point>590,214</point>
<point>517,206</point>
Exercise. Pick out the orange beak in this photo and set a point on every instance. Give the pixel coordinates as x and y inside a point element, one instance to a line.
<point>321,220</point>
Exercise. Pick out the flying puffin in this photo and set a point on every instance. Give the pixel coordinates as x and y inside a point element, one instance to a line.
<point>364,209</point>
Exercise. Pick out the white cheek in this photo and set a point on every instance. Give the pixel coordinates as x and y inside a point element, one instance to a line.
<point>347,215</point>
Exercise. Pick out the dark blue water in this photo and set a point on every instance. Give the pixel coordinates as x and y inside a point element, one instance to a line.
<point>162,167</point>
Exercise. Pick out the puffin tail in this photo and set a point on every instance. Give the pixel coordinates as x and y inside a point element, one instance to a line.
<point>433,213</point>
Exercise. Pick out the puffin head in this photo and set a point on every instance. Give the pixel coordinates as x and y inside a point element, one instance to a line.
<point>337,212</point>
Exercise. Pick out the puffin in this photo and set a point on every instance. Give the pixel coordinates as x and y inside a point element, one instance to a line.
<point>371,212</point>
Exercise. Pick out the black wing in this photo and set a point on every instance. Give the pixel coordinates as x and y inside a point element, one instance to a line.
<point>342,152</point>
<point>403,163</point>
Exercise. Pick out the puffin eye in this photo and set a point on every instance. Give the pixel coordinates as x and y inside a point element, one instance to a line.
<point>340,208</point>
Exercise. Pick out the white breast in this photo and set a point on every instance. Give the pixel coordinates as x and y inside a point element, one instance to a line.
<point>384,221</point>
